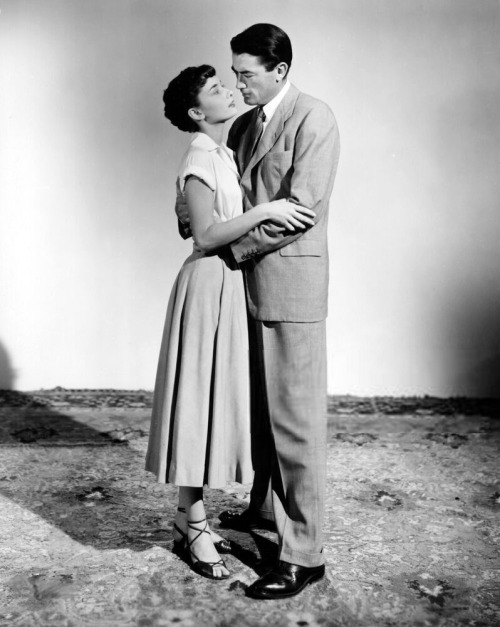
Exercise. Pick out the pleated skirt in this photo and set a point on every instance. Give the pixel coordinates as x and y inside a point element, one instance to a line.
<point>200,424</point>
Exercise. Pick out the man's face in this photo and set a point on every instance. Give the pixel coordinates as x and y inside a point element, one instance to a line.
<point>257,85</point>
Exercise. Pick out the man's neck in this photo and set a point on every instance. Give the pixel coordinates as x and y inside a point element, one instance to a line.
<point>271,107</point>
<point>280,85</point>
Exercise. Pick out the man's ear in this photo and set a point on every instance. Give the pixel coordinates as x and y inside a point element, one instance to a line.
<point>196,114</point>
<point>282,71</point>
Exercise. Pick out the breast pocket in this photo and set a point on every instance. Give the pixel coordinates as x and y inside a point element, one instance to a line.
<point>303,248</point>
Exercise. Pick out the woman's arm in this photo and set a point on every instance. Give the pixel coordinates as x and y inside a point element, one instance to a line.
<point>210,235</point>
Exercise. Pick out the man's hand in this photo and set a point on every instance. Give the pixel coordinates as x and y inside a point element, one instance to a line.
<point>182,214</point>
<point>181,209</point>
<point>273,230</point>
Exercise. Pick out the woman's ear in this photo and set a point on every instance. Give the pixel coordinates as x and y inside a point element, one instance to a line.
<point>196,114</point>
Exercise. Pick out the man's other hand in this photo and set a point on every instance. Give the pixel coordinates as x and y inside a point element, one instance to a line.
<point>181,209</point>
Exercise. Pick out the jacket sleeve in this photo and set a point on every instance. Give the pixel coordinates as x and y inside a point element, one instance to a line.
<point>314,165</point>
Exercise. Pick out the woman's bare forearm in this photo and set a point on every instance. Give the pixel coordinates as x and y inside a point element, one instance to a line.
<point>210,235</point>
<point>220,234</point>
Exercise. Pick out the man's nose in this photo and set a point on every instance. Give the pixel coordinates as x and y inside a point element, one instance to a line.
<point>239,83</point>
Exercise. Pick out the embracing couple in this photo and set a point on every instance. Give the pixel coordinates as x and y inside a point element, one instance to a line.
<point>240,391</point>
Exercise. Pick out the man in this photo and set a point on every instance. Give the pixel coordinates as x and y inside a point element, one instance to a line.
<point>287,146</point>
<point>295,157</point>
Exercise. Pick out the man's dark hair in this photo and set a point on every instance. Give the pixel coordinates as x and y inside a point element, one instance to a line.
<point>266,41</point>
<point>182,94</point>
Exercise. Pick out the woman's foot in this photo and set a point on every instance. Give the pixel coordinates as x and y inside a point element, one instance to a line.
<point>202,553</point>
<point>181,528</point>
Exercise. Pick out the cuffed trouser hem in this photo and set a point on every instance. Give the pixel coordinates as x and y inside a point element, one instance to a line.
<point>309,560</point>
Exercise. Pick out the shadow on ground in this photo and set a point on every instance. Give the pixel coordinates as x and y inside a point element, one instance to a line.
<point>75,472</point>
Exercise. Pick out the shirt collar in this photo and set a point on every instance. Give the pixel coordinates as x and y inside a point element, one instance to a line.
<point>202,140</point>
<point>270,108</point>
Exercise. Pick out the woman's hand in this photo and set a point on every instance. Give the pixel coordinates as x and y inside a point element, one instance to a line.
<point>289,216</point>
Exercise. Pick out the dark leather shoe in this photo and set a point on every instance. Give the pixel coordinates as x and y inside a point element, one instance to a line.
<point>244,520</point>
<point>284,580</point>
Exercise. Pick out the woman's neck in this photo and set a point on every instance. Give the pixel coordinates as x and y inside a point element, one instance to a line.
<point>214,131</point>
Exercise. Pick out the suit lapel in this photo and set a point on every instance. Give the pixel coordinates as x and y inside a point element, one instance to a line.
<point>274,129</point>
<point>246,139</point>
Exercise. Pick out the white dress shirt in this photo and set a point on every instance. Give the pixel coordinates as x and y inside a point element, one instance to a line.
<point>270,108</point>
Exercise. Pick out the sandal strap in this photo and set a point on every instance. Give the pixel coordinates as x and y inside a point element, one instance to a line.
<point>205,529</point>
<point>212,564</point>
<point>197,522</point>
<point>182,510</point>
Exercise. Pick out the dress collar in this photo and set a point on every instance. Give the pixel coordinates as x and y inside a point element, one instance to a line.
<point>202,140</point>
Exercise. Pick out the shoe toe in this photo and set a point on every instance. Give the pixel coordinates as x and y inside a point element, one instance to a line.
<point>223,546</point>
<point>234,519</point>
<point>285,580</point>
<point>229,515</point>
<point>207,570</point>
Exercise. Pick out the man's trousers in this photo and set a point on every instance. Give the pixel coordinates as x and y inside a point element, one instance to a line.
<point>288,370</point>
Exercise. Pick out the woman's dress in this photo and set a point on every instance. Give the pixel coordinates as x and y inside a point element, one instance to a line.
<point>200,425</point>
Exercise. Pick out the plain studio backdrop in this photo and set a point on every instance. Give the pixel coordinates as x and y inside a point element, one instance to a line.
<point>88,239</point>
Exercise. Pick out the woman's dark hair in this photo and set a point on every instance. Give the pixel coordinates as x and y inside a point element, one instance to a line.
<point>182,94</point>
<point>266,41</point>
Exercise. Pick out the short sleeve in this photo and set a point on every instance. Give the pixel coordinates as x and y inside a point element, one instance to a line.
<point>197,163</point>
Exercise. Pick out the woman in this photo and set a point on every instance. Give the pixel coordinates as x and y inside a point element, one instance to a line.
<point>200,427</point>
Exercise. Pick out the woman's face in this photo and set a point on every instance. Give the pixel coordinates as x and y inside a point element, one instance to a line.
<point>216,102</point>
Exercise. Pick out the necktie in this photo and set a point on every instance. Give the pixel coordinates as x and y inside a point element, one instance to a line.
<point>257,129</point>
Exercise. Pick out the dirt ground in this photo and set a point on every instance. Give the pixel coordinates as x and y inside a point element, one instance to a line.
<point>412,533</point>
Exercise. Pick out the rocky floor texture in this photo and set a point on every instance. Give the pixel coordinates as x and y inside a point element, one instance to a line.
<point>412,528</point>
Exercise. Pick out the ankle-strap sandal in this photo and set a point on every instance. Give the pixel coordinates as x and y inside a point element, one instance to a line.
<point>221,546</point>
<point>206,569</point>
